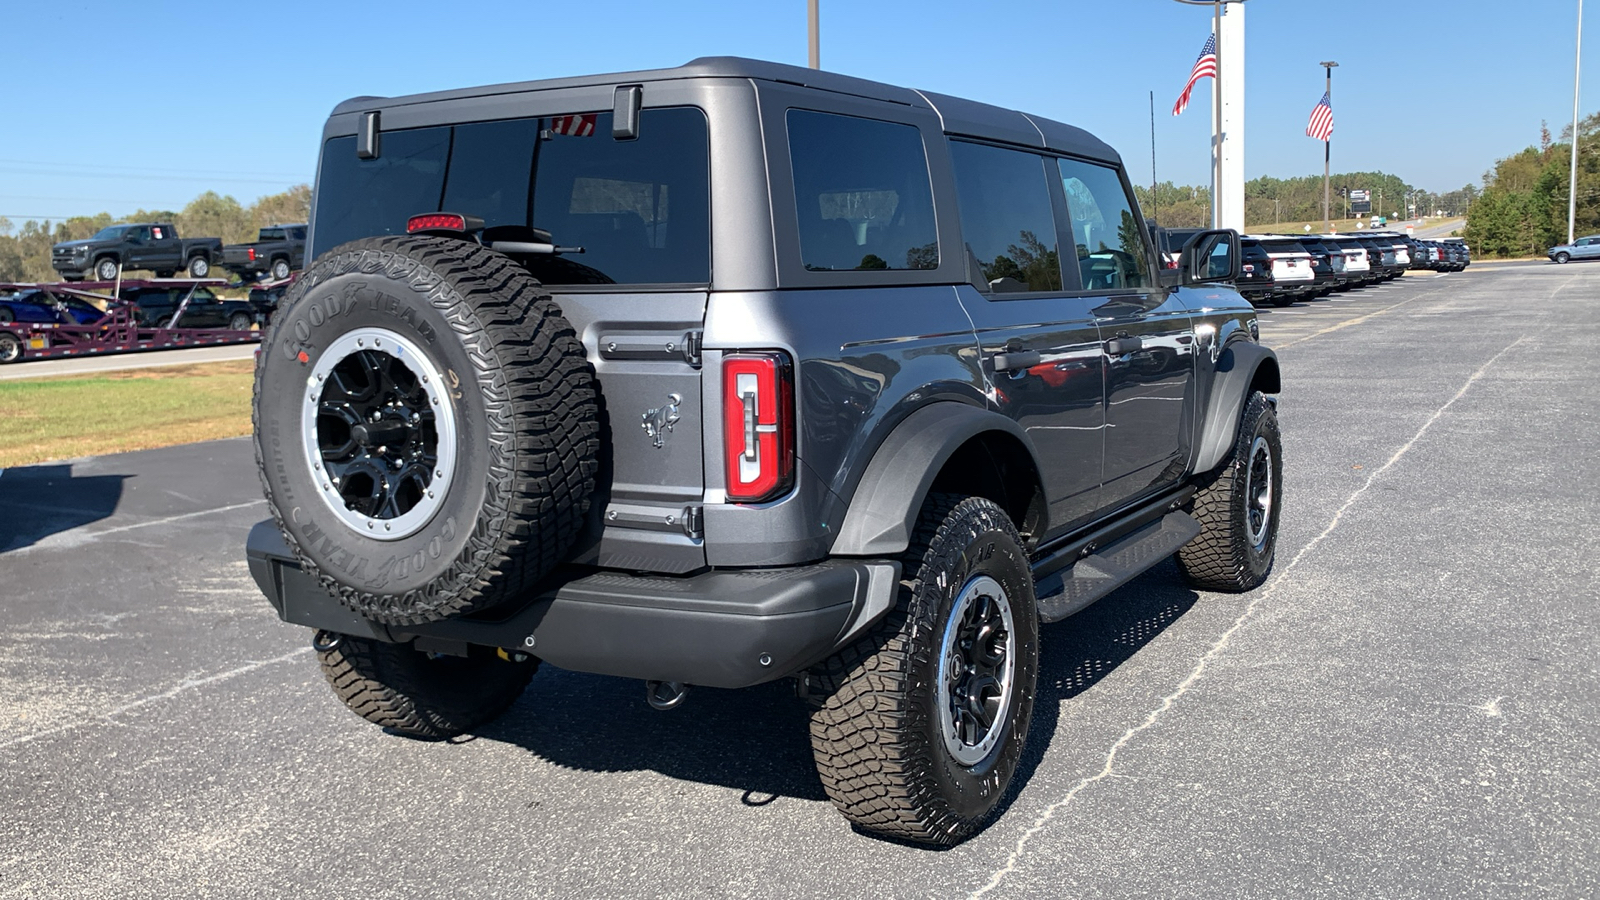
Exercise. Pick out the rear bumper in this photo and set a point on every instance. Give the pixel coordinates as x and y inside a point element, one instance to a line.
<point>722,628</point>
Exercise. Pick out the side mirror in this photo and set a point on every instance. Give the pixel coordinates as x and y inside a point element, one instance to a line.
<point>1210,256</point>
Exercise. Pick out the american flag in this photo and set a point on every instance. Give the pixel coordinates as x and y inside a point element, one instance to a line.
<point>1321,124</point>
<point>1205,66</point>
<point>578,126</point>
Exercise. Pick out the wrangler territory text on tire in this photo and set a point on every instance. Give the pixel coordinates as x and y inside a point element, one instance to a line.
<point>426,427</point>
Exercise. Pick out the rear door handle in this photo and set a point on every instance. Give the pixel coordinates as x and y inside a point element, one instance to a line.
<point>1016,359</point>
<point>1120,346</point>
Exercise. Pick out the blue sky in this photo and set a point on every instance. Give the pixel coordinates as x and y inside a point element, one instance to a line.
<point>119,107</point>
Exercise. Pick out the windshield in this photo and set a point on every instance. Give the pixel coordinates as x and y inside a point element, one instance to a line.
<point>109,233</point>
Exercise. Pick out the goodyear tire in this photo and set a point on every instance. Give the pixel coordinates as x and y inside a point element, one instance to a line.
<point>1239,508</point>
<point>432,697</point>
<point>923,721</point>
<point>426,427</point>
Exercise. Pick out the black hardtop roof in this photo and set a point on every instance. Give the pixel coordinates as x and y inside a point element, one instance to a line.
<point>964,117</point>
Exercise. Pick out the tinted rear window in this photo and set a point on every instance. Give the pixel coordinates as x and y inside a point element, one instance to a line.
<point>1007,219</point>
<point>640,209</point>
<point>862,193</point>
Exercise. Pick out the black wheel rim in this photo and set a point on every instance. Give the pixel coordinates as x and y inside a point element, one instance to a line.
<point>1258,493</point>
<point>378,440</point>
<point>977,671</point>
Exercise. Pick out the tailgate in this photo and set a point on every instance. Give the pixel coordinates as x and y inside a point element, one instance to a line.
<point>645,350</point>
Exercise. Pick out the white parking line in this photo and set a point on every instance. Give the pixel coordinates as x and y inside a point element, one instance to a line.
<point>1108,769</point>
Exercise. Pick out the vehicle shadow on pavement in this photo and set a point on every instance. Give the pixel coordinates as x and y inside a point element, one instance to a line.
<point>38,501</point>
<point>756,740</point>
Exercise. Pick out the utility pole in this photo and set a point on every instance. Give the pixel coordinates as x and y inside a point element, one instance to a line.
<point>811,22</point>
<point>1154,207</point>
<point>1327,153</point>
<point>1572,181</point>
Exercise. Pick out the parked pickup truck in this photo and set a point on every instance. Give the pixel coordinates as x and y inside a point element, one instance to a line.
<point>153,246</point>
<point>277,251</point>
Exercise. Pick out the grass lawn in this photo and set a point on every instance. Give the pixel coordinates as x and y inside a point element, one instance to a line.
<point>86,415</point>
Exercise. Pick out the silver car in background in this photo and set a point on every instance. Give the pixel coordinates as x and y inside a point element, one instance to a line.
<point>1582,248</point>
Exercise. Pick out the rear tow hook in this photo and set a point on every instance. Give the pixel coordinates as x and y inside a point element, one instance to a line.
<point>665,695</point>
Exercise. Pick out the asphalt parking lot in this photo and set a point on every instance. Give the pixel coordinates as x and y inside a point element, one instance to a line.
<point>1409,708</point>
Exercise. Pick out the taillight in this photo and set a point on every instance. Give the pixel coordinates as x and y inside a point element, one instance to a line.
<point>758,425</point>
<point>252,254</point>
<point>1249,267</point>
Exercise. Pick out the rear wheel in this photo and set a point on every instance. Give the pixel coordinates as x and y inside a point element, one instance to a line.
<point>164,322</point>
<point>10,348</point>
<point>106,269</point>
<point>239,321</point>
<point>1239,509</point>
<point>924,719</point>
<point>280,269</point>
<point>199,267</point>
<point>420,694</point>
<point>7,316</point>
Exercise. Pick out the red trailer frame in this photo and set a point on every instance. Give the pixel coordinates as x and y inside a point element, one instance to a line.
<point>119,331</point>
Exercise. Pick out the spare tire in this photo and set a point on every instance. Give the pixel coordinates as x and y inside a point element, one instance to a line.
<point>426,427</point>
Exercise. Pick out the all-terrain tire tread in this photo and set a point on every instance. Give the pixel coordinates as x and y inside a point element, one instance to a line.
<point>1219,558</point>
<point>389,686</point>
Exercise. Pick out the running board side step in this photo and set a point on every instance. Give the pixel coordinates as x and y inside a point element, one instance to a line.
<point>1071,589</point>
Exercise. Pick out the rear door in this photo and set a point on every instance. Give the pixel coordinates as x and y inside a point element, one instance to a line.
<point>1039,336</point>
<point>1146,335</point>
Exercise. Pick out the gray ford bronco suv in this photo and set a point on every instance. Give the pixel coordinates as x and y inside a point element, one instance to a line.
<point>736,372</point>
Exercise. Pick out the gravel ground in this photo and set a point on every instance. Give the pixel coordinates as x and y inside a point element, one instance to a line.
<point>1408,708</point>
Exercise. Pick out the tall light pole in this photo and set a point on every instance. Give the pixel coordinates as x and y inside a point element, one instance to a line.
<point>1327,152</point>
<point>813,27</point>
<point>1572,182</point>
<point>1227,113</point>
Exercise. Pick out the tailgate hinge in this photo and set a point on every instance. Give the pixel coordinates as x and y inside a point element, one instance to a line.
<point>691,347</point>
<point>694,522</point>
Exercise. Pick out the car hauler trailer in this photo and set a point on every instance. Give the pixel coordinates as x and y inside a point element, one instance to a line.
<point>120,331</point>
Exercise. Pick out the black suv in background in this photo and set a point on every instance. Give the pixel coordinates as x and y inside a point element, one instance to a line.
<point>155,305</point>
<point>1255,281</point>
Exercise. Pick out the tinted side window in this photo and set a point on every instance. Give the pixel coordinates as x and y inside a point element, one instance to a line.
<point>359,198</point>
<point>1110,251</point>
<point>1006,217</point>
<point>862,193</point>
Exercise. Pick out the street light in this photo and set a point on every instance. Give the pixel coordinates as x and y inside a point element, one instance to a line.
<point>1327,150</point>
<point>1572,181</point>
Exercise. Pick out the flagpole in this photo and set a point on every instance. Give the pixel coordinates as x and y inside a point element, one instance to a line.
<point>1155,210</point>
<point>1327,155</point>
<point>1216,120</point>
<point>1572,182</point>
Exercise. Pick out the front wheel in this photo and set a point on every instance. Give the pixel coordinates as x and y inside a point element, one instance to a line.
<point>419,694</point>
<point>239,322</point>
<point>7,316</point>
<point>106,270</point>
<point>1563,258</point>
<point>1239,509</point>
<point>199,267</point>
<point>923,720</point>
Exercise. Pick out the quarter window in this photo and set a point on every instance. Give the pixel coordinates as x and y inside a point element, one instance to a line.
<point>862,193</point>
<point>1109,248</point>
<point>1006,217</point>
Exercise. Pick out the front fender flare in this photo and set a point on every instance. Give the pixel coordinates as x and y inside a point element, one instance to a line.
<point>1237,368</point>
<point>883,510</point>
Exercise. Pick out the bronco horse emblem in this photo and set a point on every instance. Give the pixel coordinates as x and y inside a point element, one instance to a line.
<point>657,422</point>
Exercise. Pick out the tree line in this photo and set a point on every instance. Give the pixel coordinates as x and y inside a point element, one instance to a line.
<point>1523,208</point>
<point>1269,201</point>
<point>25,250</point>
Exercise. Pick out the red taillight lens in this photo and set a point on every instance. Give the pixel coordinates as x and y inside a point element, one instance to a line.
<point>252,254</point>
<point>436,222</point>
<point>758,425</point>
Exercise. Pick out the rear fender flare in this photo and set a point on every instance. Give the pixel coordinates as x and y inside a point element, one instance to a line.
<point>1243,364</point>
<point>883,510</point>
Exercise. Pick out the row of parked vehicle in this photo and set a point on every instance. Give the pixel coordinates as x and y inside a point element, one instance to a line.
<point>1279,269</point>
<point>154,304</point>
<point>277,251</point>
